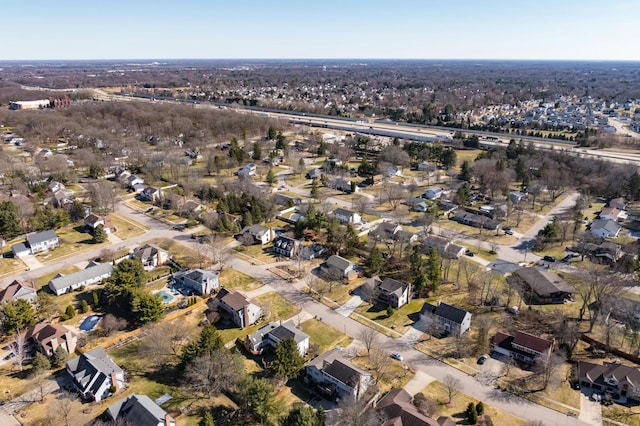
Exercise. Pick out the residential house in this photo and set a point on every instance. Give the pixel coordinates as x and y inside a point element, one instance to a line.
<point>200,281</point>
<point>475,220</point>
<point>314,174</point>
<point>151,193</point>
<point>607,252</point>
<point>42,241</point>
<point>394,232</point>
<point>449,319</point>
<point>93,273</point>
<point>617,203</point>
<point>286,246</point>
<point>540,286</point>
<point>347,216</point>
<point>522,347</point>
<point>425,166</point>
<point>18,290</point>
<point>258,234</point>
<point>93,221</point>
<point>151,256</point>
<point>445,247</point>
<point>20,250</point>
<point>516,197</point>
<point>48,337</point>
<point>339,267</point>
<point>335,377</point>
<point>235,306</point>
<point>247,170</point>
<point>418,205</point>
<point>269,335</point>
<point>605,228</point>
<point>62,198</point>
<point>138,410</point>
<point>342,184</point>
<point>612,213</point>
<point>621,381</point>
<point>134,182</point>
<point>432,193</point>
<point>391,292</point>
<point>285,200</point>
<point>399,410</point>
<point>312,251</point>
<point>95,374</point>
<point>392,171</point>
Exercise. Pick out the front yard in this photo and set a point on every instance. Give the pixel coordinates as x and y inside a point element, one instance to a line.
<point>231,278</point>
<point>323,335</point>
<point>401,320</point>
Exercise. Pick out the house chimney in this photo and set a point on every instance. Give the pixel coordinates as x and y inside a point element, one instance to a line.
<point>245,311</point>
<point>159,256</point>
<point>167,420</point>
<point>114,382</point>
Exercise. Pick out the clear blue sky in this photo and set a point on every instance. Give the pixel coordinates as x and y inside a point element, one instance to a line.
<point>421,29</point>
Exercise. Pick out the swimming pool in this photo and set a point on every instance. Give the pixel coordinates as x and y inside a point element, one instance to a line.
<point>90,322</point>
<point>166,297</point>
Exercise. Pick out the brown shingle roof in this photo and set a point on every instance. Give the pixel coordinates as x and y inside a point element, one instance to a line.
<point>11,290</point>
<point>532,342</point>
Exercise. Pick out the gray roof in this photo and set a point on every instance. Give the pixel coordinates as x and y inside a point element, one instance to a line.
<point>197,275</point>
<point>390,285</point>
<point>19,248</point>
<point>446,311</point>
<point>91,271</point>
<point>338,262</point>
<point>138,410</point>
<point>343,212</point>
<point>607,224</point>
<point>42,236</point>
<point>85,367</point>
<point>333,364</point>
<point>543,282</point>
<point>280,331</point>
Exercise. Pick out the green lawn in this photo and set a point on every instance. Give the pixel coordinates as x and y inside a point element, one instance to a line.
<point>73,240</point>
<point>256,253</point>
<point>401,319</point>
<point>125,227</point>
<point>181,254</point>
<point>231,278</point>
<point>9,265</point>
<point>323,335</point>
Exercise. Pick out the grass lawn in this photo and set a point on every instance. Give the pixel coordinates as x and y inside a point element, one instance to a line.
<point>125,227</point>
<point>9,265</point>
<point>456,408</point>
<point>296,180</point>
<point>467,154</point>
<point>73,240</point>
<point>621,413</point>
<point>340,292</point>
<point>231,278</point>
<point>485,254</point>
<point>181,254</point>
<point>138,205</point>
<point>323,335</point>
<point>397,375</point>
<point>401,319</point>
<point>257,253</point>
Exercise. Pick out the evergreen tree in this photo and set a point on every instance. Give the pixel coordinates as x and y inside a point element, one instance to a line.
<point>70,312</point>
<point>17,315</point>
<point>271,133</point>
<point>257,152</point>
<point>146,307</point>
<point>77,212</point>
<point>40,363</point>
<point>303,416</point>
<point>9,221</point>
<point>464,194</point>
<point>257,399</point>
<point>315,190</point>
<point>100,235</point>
<point>209,340</point>
<point>207,420</point>
<point>288,362</point>
<point>375,261</point>
<point>247,219</point>
<point>84,306</point>
<point>271,178</point>
<point>60,357</point>
<point>96,299</point>
<point>420,283</point>
<point>465,171</point>
<point>434,269</point>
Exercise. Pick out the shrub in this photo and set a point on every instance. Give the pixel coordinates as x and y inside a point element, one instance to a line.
<point>84,306</point>
<point>69,312</point>
<point>480,408</point>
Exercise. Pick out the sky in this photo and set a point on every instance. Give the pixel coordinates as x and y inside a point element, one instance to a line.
<point>288,29</point>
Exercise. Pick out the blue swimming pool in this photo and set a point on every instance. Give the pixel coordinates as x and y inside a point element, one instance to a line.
<point>166,297</point>
<point>90,322</point>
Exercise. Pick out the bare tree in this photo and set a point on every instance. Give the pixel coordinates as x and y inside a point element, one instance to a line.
<point>360,203</point>
<point>453,385</point>
<point>111,323</point>
<point>379,363</point>
<point>213,372</point>
<point>369,337</point>
<point>218,250</point>
<point>547,368</point>
<point>65,408</point>
<point>18,349</point>
<point>103,197</point>
<point>427,406</point>
<point>164,341</point>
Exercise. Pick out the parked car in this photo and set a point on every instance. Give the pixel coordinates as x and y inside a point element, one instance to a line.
<point>508,231</point>
<point>483,359</point>
<point>469,253</point>
<point>549,259</point>
<point>397,356</point>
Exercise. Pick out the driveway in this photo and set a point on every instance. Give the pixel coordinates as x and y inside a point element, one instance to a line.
<point>420,381</point>
<point>32,262</point>
<point>590,411</point>
<point>349,306</point>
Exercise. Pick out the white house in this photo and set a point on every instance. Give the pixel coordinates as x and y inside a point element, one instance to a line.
<point>260,234</point>
<point>273,333</point>
<point>337,266</point>
<point>93,373</point>
<point>42,241</point>
<point>151,256</point>
<point>93,273</point>
<point>451,320</point>
<point>605,228</point>
<point>201,281</point>
<point>347,216</point>
<point>286,246</point>
<point>247,170</point>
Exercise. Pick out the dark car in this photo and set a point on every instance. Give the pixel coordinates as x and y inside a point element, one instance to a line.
<point>470,253</point>
<point>549,259</point>
<point>483,359</point>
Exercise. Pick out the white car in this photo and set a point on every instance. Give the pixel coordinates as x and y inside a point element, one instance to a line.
<point>397,356</point>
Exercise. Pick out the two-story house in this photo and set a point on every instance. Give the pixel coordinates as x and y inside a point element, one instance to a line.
<point>446,248</point>
<point>286,246</point>
<point>95,374</point>
<point>258,234</point>
<point>391,292</point>
<point>269,335</point>
<point>48,337</point>
<point>449,319</point>
<point>347,216</point>
<point>151,193</point>
<point>42,241</point>
<point>151,256</point>
<point>621,381</point>
<point>522,347</point>
<point>339,267</point>
<point>200,281</point>
<point>138,410</point>
<point>539,286</point>
<point>236,307</point>
<point>335,377</point>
